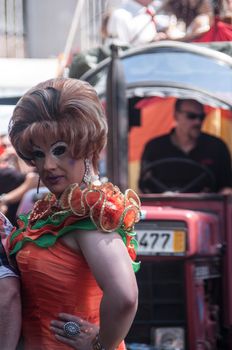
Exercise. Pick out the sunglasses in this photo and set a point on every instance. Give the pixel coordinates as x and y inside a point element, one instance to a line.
<point>193,116</point>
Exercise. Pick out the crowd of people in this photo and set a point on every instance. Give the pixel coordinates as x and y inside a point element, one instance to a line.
<point>137,22</point>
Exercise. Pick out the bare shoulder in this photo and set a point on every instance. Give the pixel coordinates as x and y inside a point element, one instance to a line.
<point>96,237</point>
<point>79,239</point>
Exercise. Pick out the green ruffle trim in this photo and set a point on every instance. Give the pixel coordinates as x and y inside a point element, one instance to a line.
<point>48,239</point>
<point>123,234</point>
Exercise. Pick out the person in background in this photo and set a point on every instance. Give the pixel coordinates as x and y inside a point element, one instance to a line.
<point>131,24</point>
<point>221,26</point>
<point>188,19</point>
<point>188,143</point>
<point>225,10</point>
<point>10,305</point>
<point>13,186</point>
<point>76,248</point>
<point>8,157</point>
<point>2,146</point>
<point>16,178</point>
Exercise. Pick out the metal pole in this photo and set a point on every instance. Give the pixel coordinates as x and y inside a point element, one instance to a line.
<point>117,115</point>
<point>72,33</point>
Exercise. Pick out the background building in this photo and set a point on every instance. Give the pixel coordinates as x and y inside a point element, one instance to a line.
<point>41,29</point>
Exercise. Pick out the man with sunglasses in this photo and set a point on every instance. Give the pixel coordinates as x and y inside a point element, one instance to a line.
<point>186,159</point>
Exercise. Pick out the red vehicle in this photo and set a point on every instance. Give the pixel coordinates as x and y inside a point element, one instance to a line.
<point>185,292</point>
<point>185,239</point>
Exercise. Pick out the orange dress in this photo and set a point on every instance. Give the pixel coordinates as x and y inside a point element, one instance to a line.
<point>44,296</point>
<point>55,278</point>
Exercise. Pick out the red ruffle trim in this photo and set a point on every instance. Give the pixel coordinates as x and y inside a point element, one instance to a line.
<point>105,204</point>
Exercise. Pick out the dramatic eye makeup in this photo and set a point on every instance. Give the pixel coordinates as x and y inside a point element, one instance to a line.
<point>59,148</point>
<point>37,153</point>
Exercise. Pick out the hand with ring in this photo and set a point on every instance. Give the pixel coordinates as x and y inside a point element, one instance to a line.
<point>74,331</point>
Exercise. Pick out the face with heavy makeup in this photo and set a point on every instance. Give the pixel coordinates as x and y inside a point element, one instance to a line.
<point>56,166</point>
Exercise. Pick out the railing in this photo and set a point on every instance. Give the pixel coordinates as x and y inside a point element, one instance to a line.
<point>91,21</point>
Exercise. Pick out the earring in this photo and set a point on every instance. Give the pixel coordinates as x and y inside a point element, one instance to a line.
<point>38,185</point>
<point>87,174</point>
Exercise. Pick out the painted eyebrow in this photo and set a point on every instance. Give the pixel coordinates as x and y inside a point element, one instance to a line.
<point>58,143</point>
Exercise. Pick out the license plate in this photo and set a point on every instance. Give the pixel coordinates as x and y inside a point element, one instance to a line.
<point>152,242</point>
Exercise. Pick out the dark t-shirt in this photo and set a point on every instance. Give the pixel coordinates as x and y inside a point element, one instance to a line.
<point>9,180</point>
<point>210,152</point>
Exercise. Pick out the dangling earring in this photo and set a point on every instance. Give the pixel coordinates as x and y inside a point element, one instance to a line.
<point>87,174</point>
<point>38,185</point>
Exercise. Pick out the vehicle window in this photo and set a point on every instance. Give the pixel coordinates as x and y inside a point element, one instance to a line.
<point>168,66</point>
<point>184,68</point>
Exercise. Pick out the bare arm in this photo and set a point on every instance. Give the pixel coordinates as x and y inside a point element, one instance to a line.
<point>115,275</point>
<point>109,261</point>
<point>15,195</point>
<point>10,313</point>
<point>200,25</point>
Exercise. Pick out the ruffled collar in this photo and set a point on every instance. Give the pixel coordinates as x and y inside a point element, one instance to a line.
<point>105,204</point>
<point>102,206</point>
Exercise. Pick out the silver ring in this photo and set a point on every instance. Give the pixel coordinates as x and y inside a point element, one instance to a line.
<point>72,328</point>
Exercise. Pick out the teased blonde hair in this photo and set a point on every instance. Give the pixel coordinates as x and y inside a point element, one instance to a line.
<point>64,108</point>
